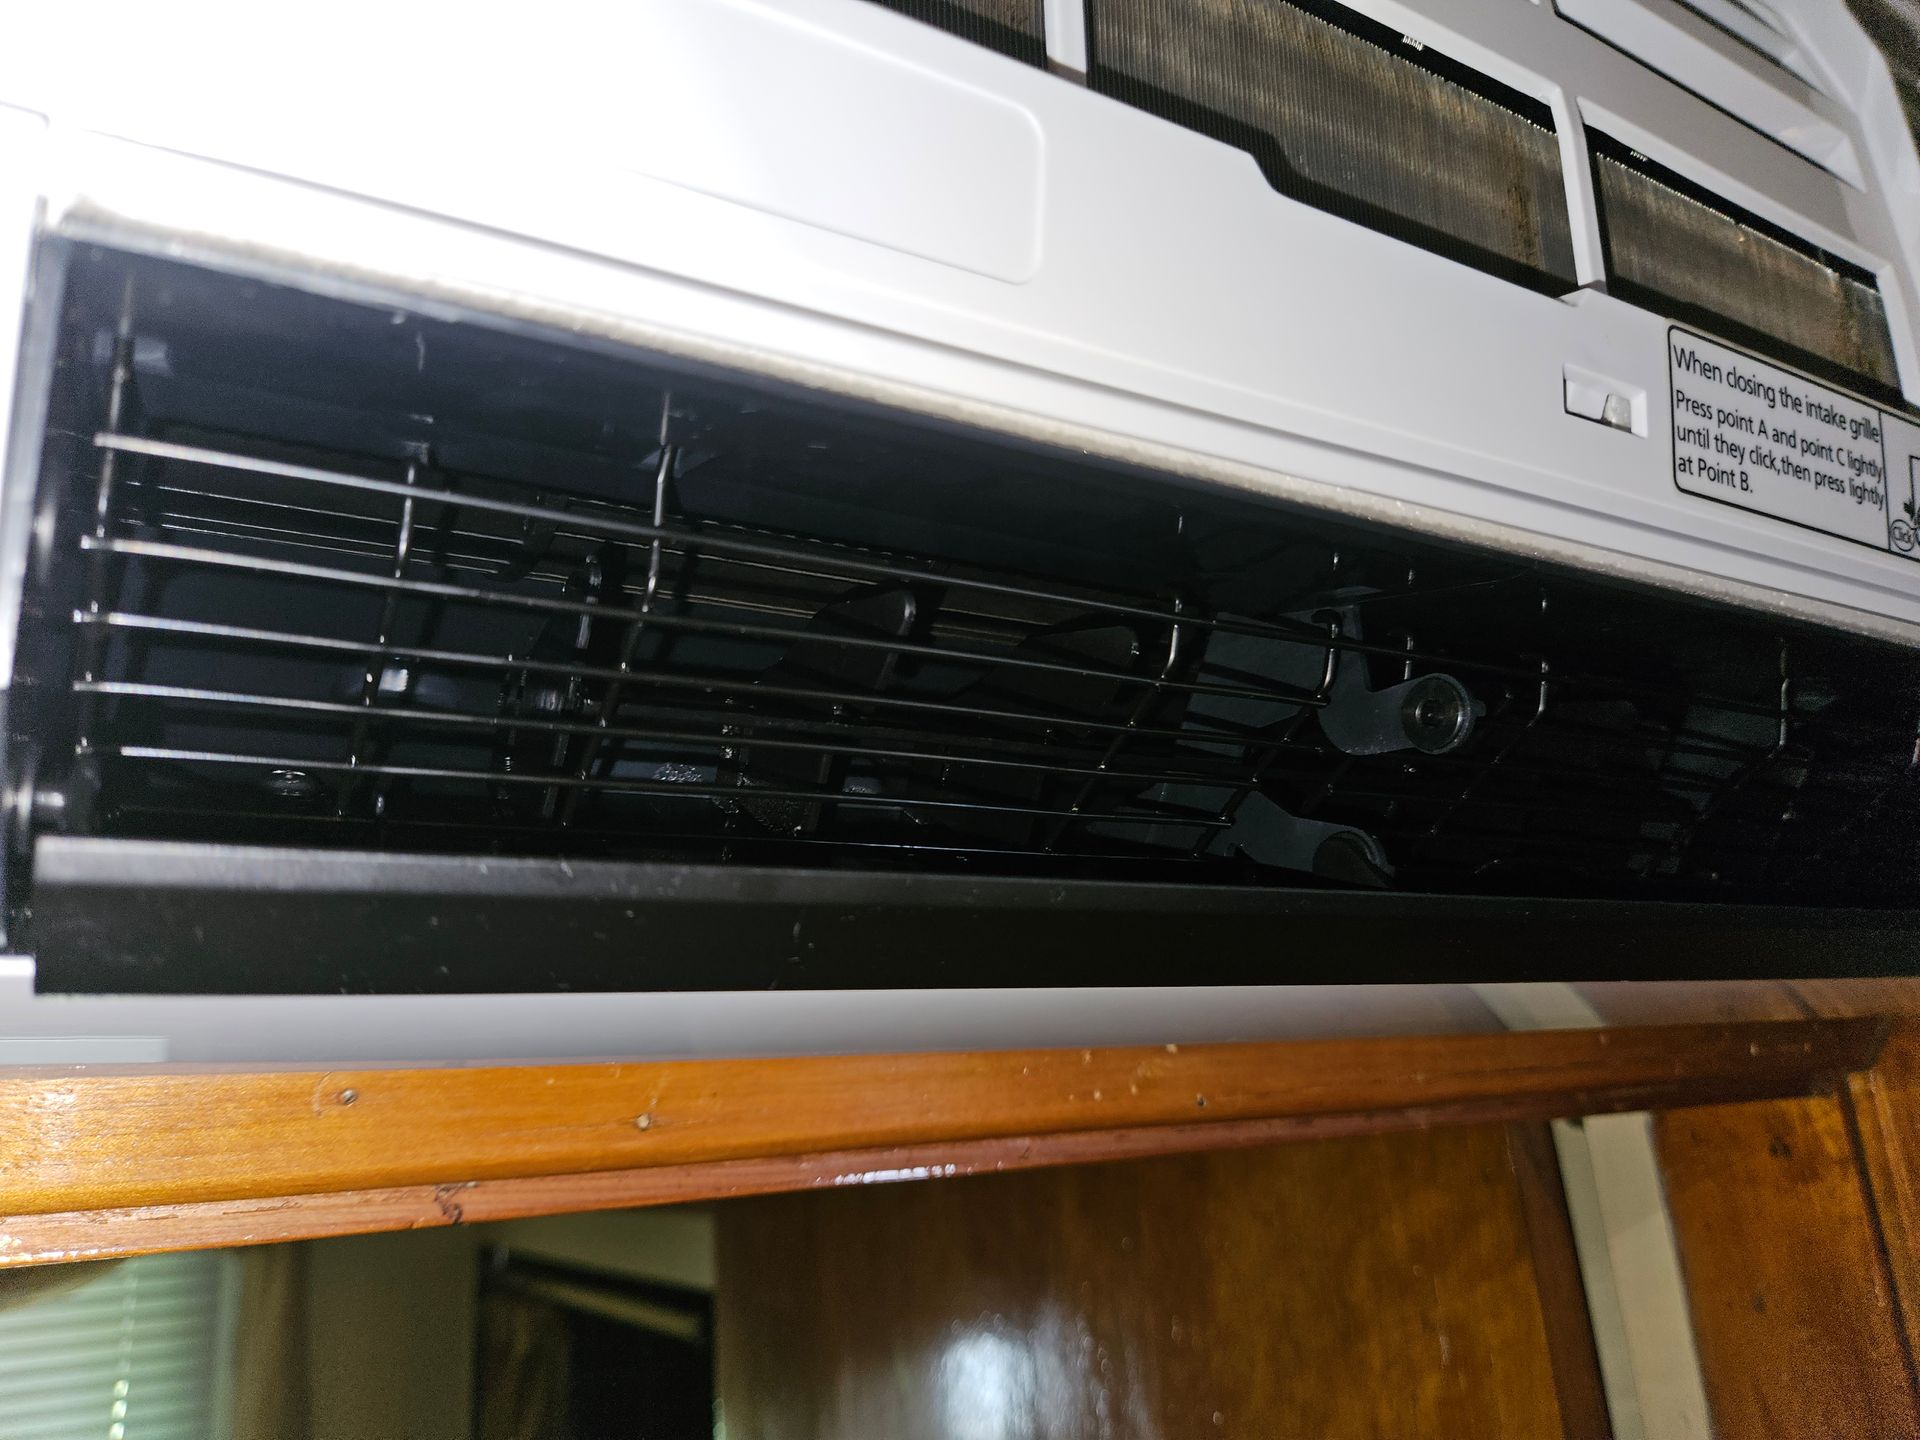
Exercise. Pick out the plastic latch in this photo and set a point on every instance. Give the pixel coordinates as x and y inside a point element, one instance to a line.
<point>1605,402</point>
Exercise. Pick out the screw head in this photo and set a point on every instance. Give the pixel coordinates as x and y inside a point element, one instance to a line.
<point>1436,714</point>
<point>292,785</point>
<point>1812,694</point>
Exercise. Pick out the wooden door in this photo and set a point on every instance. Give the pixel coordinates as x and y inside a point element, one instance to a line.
<point>1402,1285</point>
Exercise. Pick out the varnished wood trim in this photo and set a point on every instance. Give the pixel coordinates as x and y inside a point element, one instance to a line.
<point>1786,1284</point>
<point>1564,1310</point>
<point>1883,1124</point>
<point>79,1140</point>
<point>119,1163</point>
<point>143,1229</point>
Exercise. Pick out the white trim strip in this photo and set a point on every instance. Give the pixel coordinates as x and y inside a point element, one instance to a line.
<point>1623,1237</point>
<point>1066,22</point>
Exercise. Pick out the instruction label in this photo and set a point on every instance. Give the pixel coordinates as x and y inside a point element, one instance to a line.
<point>1750,434</point>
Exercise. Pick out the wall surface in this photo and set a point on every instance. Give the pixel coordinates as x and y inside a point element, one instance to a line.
<point>670,1245</point>
<point>391,1336</point>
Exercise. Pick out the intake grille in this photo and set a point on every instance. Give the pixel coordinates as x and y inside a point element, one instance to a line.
<point>1676,250</point>
<point>324,575</point>
<point>1351,118</point>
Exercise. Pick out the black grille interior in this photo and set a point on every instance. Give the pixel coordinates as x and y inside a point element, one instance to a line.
<point>1013,27</point>
<point>321,574</point>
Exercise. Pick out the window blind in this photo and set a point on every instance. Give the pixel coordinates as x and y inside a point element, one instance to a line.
<point>137,1354</point>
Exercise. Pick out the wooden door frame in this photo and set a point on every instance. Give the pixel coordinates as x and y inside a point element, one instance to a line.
<point>97,1163</point>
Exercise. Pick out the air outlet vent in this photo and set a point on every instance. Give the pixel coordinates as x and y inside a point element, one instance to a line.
<point>1676,249</point>
<point>1013,27</point>
<point>1345,115</point>
<point>283,608</point>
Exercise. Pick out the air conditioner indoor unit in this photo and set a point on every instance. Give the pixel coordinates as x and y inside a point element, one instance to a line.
<point>981,518</point>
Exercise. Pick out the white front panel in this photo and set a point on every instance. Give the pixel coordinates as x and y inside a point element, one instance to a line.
<point>842,192</point>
